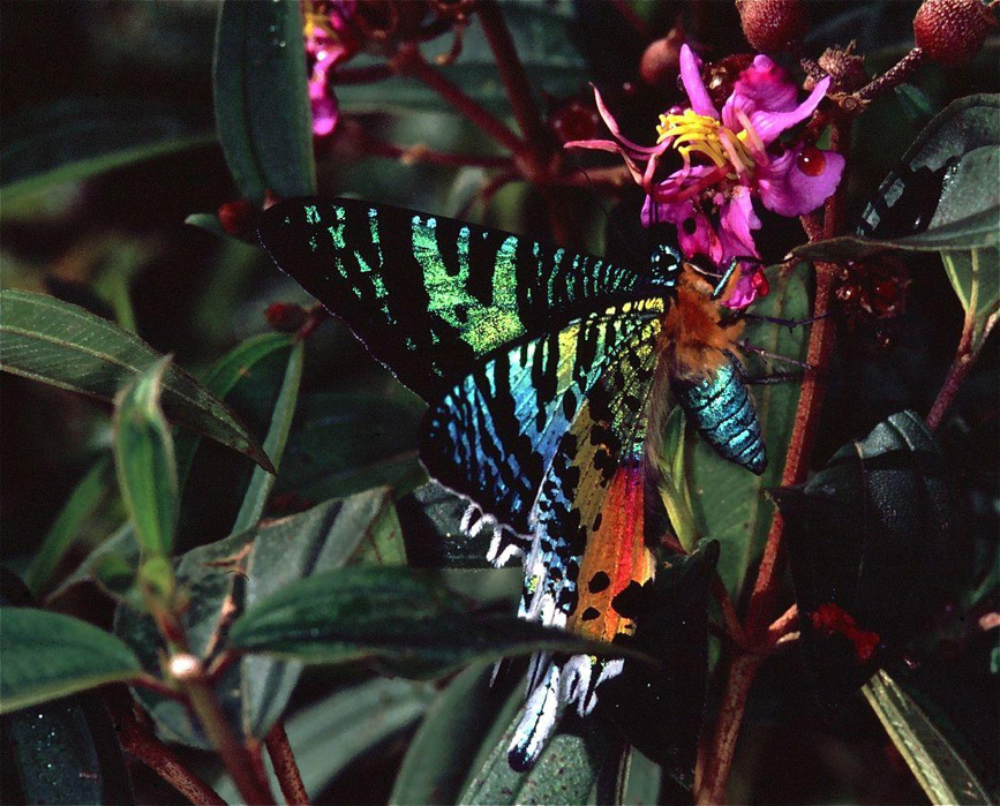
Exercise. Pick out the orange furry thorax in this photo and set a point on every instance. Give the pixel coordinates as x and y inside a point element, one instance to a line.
<point>693,336</point>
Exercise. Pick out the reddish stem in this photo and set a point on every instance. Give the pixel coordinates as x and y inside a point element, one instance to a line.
<point>515,81</point>
<point>139,741</point>
<point>965,357</point>
<point>637,23</point>
<point>418,153</point>
<point>409,61</point>
<point>718,752</point>
<point>285,767</point>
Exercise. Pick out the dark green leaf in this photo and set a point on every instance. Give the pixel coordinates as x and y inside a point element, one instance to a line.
<point>569,770</point>
<point>208,222</point>
<point>243,569</point>
<point>728,501</point>
<point>92,491</point>
<point>871,542</point>
<point>261,98</point>
<point>401,618</point>
<point>64,751</point>
<point>144,457</point>
<point>975,276</point>
<point>939,768</point>
<point>48,655</point>
<point>450,738</point>
<point>63,345</point>
<point>75,139</point>
<point>345,443</point>
<point>274,444</point>
<point>643,785</point>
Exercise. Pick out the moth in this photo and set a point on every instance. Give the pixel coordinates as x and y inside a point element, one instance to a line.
<point>547,375</point>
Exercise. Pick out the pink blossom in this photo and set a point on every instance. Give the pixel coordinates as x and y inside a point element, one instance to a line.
<point>729,158</point>
<point>328,42</point>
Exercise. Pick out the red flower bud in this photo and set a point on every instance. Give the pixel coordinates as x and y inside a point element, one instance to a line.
<point>238,219</point>
<point>286,317</point>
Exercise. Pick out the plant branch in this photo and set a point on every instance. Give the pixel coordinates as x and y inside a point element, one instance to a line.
<point>419,153</point>
<point>187,670</point>
<point>139,741</point>
<point>899,73</point>
<point>965,356</point>
<point>285,767</point>
<point>409,61</point>
<point>515,81</point>
<point>718,752</point>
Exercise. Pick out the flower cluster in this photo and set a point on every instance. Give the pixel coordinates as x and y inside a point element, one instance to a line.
<point>728,159</point>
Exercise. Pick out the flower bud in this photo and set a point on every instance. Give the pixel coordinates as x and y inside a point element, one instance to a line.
<point>574,121</point>
<point>845,67</point>
<point>772,26</point>
<point>238,219</point>
<point>286,317</point>
<point>952,31</point>
<point>661,62</point>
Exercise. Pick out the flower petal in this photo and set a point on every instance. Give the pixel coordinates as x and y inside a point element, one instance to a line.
<point>695,234</point>
<point>786,190</point>
<point>612,124</point>
<point>736,220</point>
<point>701,101</point>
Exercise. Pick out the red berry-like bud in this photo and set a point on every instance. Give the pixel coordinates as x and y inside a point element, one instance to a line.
<point>286,317</point>
<point>845,67</point>
<point>661,62</point>
<point>952,31</point>
<point>773,25</point>
<point>238,219</point>
<point>574,121</point>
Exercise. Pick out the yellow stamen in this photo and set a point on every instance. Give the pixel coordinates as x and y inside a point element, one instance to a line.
<point>705,135</point>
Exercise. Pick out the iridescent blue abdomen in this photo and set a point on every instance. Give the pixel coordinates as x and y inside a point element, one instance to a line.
<point>720,407</point>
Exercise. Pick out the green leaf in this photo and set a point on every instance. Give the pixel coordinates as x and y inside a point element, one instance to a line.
<point>92,491</point>
<point>328,735</point>
<point>61,344</point>
<point>449,739</point>
<point>64,751</point>
<point>74,139</point>
<point>568,771</point>
<point>48,655</point>
<point>240,570</point>
<point>403,619</point>
<point>345,443</point>
<point>975,276</point>
<point>144,456</point>
<point>642,786</point>
<point>237,367</point>
<point>274,444</point>
<point>941,771</point>
<point>262,108</point>
<point>728,501</point>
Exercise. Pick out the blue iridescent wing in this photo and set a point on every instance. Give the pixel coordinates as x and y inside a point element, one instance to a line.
<point>588,536</point>
<point>430,296</point>
<point>492,436</point>
<point>719,406</point>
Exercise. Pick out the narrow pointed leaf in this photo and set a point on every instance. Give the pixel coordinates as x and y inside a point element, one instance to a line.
<point>144,456</point>
<point>262,106</point>
<point>92,490</point>
<point>48,655</point>
<point>274,444</point>
<point>937,766</point>
<point>63,345</point>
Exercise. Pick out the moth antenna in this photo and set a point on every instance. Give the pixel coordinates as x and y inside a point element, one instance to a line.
<point>753,348</point>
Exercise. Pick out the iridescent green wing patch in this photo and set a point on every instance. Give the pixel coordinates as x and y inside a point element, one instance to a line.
<point>429,295</point>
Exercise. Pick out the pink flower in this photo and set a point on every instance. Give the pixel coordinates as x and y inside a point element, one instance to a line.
<point>328,42</point>
<point>729,158</point>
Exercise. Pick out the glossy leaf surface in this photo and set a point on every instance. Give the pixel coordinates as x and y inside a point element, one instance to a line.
<point>63,345</point>
<point>261,99</point>
<point>48,655</point>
